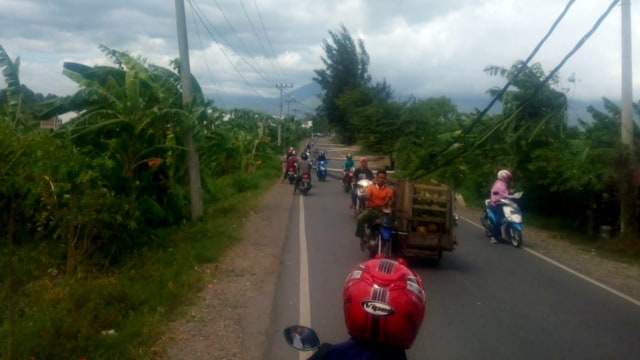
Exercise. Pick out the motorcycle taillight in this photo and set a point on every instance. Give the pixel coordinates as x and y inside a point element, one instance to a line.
<point>305,176</point>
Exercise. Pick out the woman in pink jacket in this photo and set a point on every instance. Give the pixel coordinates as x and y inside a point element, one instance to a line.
<point>499,190</point>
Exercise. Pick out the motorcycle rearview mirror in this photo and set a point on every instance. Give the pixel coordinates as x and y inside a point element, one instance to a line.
<point>301,338</point>
<point>516,195</point>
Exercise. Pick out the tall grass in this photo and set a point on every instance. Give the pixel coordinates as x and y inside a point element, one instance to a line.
<point>121,313</point>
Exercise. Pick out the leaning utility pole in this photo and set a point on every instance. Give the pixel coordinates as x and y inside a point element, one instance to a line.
<point>281,86</point>
<point>195,187</point>
<point>628,192</point>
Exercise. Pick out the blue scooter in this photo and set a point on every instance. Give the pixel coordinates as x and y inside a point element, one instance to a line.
<point>511,226</point>
<point>322,170</point>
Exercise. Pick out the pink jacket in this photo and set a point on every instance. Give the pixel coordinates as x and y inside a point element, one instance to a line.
<point>499,190</point>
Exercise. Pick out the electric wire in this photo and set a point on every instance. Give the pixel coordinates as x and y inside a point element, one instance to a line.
<point>242,44</point>
<point>215,89</point>
<point>504,89</point>
<point>200,16</point>
<point>264,50</point>
<point>543,82</point>
<point>266,34</point>
<point>203,17</point>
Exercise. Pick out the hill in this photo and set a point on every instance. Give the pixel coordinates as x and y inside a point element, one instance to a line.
<point>306,98</point>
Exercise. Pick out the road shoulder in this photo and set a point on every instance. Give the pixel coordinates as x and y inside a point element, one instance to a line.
<point>231,316</point>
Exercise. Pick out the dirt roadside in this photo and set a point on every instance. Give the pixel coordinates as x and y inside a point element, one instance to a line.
<point>230,317</point>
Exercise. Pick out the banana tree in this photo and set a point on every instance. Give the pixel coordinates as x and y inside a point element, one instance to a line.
<point>10,72</point>
<point>131,113</point>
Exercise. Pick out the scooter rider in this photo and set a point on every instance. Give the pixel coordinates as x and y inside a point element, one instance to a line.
<point>499,190</point>
<point>322,156</point>
<point>362,172</point>
<point>379,329</point>
<point>303,166</point>
<point>348,163</point>
<point>288,159</point>
<point>379,196</point>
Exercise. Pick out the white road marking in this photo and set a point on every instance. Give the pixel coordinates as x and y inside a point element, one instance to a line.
<point>569,270</point>
<point>305,300</point>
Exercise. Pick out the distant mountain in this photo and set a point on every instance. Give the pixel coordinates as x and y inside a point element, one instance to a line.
<point>295,102</point>
<point>307,99</point>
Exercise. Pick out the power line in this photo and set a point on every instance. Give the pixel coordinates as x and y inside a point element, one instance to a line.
<point>266,34</point>
<point>195,24</point>
<point>255,32</point>
<point>200,16</point>
<point>499,95</point>
<point>548,77</point>
<point>239,39</point>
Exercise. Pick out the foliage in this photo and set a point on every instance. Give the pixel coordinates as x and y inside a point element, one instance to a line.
<point>427,125</point>
<point>87,206</point>
<point>236,142</point>
<point>346,68</point>
<point>375,118</point>
<point>108,314</point>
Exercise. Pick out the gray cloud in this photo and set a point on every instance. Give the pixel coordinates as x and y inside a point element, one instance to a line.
<point>421,47</point>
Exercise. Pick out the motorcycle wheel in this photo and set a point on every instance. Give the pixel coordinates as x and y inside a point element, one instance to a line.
<point>484,220</point>
<point>359,205</point>
<point>373,250</point>
<point>385,248</point>
<point>516,237</point>
<point>370,244</point>
<point>346,186</point>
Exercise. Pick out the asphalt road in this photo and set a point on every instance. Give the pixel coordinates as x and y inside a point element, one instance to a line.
<point>483,301</point>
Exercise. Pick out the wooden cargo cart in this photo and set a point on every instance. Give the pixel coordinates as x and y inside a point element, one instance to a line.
<point>425,214</point>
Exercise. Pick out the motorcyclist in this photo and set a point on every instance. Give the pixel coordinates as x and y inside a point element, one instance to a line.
<point>362,172</point>
<point>303,166</point>
<point>379,196</point>
<point>347,165</point>
<point>379,329</point>
<point>499,190</point>
<point>322,156</point>
<point>289,158</point>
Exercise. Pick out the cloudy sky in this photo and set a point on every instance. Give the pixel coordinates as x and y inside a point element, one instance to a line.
<point>420,47</point>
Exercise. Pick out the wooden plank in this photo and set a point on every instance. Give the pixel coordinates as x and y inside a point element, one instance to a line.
<point>440,187</point>
<point>433,208</point>
<point>428,219</point>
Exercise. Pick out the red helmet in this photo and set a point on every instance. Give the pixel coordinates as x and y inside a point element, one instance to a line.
<point>364,160</point>
<point>384,301</point>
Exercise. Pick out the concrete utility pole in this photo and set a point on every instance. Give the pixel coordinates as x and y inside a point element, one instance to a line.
<point>628,192</point>
<point>281,86</point>
<point>195,187</point>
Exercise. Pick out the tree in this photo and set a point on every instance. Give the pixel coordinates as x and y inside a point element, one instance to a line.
<point>346,68</point>
<point>129,126</point>
<point>428,125</point>
<point>375,118</point>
